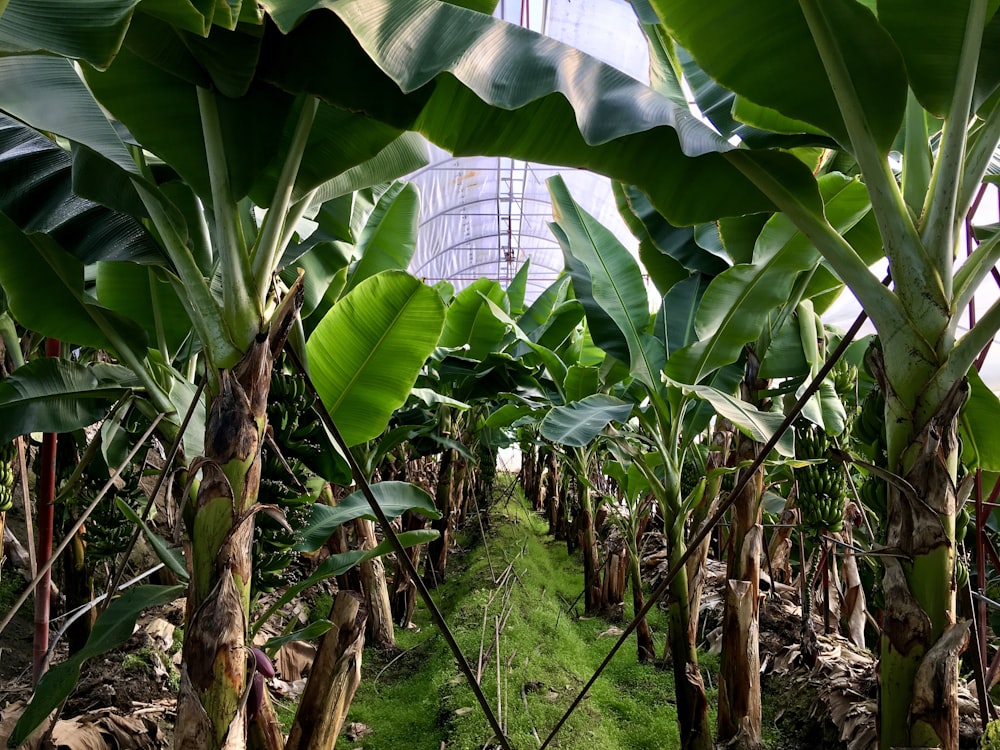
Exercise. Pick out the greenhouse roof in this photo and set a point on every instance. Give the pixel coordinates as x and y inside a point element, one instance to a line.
<point>488,216</point>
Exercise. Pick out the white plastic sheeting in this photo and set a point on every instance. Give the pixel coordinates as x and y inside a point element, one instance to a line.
<point>488,216</point>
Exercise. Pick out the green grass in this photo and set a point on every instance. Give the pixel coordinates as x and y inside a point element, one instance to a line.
<point>547,653</point>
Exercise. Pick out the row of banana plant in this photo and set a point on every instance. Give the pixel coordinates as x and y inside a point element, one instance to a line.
<point>249,100</point>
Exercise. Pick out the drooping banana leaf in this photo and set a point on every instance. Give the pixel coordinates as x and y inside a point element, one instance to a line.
<point>737,304</point>
<point>578,423</point>
<point>50,394</point>
<point>566,108</point>
<point>37,194</point>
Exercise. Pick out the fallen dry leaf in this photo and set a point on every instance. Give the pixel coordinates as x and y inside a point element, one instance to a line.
<point>356,731</point>
<point>294,660</point>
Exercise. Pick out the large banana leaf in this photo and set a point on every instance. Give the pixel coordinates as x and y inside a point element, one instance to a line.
<point>929,35</point>
<point>394,498</point>
<point>477,85</point>
<point>390,236</point>
<point>50,394</point>
<point>36,192</point>
<point>90,30</point>
<point>608,281</point>
<point>54,303</point>
<point>757,424</point>
<point>748,46</point>
<point>578,423</point>
<point>979,419</point>
<point>401,157</point>
<point>737,304</point>
<point>658,237</point>
<point>470,322</point>
<point>675,322</point>
<point>367,351</point>
<point>47,93</point>
<point>142,294</point>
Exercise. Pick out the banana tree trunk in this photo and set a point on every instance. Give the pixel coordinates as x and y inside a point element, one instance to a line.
<point>379,631</point>
<point>553,501</point>
<point>529,464</point>
<point>437,551</point>
<point>459,492</point>
<point>692,703</point>
<point>643,635</point>
<point>216,671</point>
<point>334,679</point>
<point>739,674</point>
<point>921,641</point>
<point>45,518</point>
<point>404,592</point>
<point>593,592</point>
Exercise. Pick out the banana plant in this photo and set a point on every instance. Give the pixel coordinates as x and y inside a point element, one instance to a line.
<point>692,366</point>
<point>632,514</point>
<point>906,65</point>
<point>221,166</point>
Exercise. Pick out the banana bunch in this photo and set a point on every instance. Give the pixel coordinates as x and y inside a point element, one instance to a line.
<point>296,430</point>
<point>822,486</point>
<point>961,574</point>
<point>845,378</point>
<point>8,452</point>
<point>873,494</point>
<point>691,473</point>
<point>108,531</point>
<point>869,427</point>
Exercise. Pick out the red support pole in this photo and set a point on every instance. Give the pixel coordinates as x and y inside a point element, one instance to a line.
<point>44,515</point>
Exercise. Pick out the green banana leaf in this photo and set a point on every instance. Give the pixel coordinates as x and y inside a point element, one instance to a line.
<point>389,238</point>
<point>470,322</point>
<point>38,177</point>
<point>578,423</point>
<point>90,30</point>
<point>581,381</point>
<point>394,498</point>
<point>366,353</point>
<point>55,303</point>
<point>517,288</point>
<point>49,394</point>
<point>112,629</point>
<point>978,421</point>
<point>929,36</point>
<point>757,424</point>
<point>658,237</point>
<point>675,321</point>
<point>566,108</point>
<point>401,157</point>
<point>738,303</point>
<point>608,282</point>
<point>724,36</point>
<point>143,294</point>
<point>336,565</point>
<point>47,94</point>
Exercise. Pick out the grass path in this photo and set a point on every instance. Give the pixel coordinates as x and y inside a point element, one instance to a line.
<point>546,653</point>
